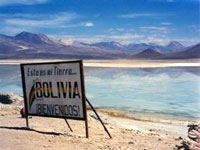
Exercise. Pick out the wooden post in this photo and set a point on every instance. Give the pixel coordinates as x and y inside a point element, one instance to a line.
<point>68,125</point>
<point>99,118</point>
<point>27,124</point>
<point>86,128</point>
<point>84,101</point>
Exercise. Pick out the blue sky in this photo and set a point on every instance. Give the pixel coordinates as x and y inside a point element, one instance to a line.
<point>124,21</point>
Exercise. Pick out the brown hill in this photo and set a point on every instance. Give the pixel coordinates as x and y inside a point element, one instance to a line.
<point>148,54</point>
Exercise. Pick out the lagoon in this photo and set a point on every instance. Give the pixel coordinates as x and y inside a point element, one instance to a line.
<point>165,92</point>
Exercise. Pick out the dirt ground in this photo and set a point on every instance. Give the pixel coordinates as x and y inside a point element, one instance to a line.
<point>53,133</point>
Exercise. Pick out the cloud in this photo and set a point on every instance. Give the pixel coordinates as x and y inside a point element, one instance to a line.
<point>13,30</point>
<point>32,22</point>
<point>153,28</point>
<point>192,26</point>
<point>122,38</point>
<point>166,23</point>
<point>88,24</point>
<point>120,29</point>
<point>137,15</point>
<point>165,40</point>
<point>44,20</point>
<point>187,41</point>
<point>156,29</point>
<point>157,40</point>
<point>11,23</point>
<point>23,2</point>
<point>128,38</point>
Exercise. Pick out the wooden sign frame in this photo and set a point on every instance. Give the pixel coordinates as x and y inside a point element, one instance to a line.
<point>80,62</point>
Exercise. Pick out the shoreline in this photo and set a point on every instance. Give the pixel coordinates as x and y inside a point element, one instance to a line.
<point>117,63</point>
<point>52,133</point>
<point>162,126</point>
<point>146,123</point>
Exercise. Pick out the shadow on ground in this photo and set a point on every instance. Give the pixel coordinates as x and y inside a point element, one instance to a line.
<point>28,129</point>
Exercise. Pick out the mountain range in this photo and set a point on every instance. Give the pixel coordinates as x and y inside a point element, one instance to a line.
<point>30,45</point>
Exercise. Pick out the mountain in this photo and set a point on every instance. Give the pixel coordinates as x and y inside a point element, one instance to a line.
<point>31,45</point>
<point>108,45</point>
<point>33,38</point>
<point>192,52</point>
<point>9,45</point>
<point>136,48</point>
<point>171,47</point>
<point>175,46</point>
<point>148,54</point>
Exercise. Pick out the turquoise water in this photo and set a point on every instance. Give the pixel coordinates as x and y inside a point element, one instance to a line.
<point>161,91</point>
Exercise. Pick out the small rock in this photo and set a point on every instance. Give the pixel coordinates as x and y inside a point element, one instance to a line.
<point>130,142</point>
<point>123,132</point>
<point>151,130</point>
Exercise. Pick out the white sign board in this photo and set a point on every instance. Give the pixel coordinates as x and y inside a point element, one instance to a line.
<point>54,89</point>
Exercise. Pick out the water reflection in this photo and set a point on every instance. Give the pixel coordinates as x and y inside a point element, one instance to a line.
<point>172,91</point>
<point>166,91</point>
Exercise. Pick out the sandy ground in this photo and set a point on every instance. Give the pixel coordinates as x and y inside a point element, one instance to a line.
<point>53,133</point>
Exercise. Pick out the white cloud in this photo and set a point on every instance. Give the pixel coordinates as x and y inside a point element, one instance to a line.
<point>88,24</point>
<point>128,38</point>
<point>120,29</point>
<point>157,29</point>
<point>156,40</point>
<point>31,22</point>
<point>192,26</point>
<point>137,15</point>
<point>123,38</point>
<point>116,30</point>
<point>24,2</point>
<point>11,23</point>
<point>187,41</point>
<point>166,40</point>
<point>166,23</point>
<point>13,30</point>
<point>153,28</point>
<point>45,20</point>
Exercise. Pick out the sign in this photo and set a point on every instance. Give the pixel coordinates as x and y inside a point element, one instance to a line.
<point>54,89</point>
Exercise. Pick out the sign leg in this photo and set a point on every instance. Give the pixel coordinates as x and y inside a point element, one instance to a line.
<point>68,125</point>
<point>27,123</point>
<point>86,128</point>
<point>99,118</point>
